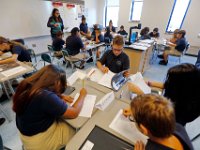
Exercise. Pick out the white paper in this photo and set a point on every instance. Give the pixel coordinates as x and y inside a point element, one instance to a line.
<point>88,145</point>
<point>5,55</point>
<point>138,47</point>
<point>95,74</point>
<point>148,41</point>
<point>88,105</point>
<point>126,128</point>
<point>105,101</point>
<point>76,75</point>
<point>13,71</point>
<point>106,79</point>
<point>138,80</point>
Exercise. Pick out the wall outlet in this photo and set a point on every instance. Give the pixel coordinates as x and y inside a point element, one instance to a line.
<point>33,45</point>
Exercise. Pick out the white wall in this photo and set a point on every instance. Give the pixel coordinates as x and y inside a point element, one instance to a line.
<point>91,8</point>
<point>156,14</point>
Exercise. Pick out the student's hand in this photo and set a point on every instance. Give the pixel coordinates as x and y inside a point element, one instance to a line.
<point>105,69</point>
<point>67,98</point>
<point>83,92</point>
<point>126,74</point>
<point>139,145</point>
<point>55,25</point>
<point>127,112</point>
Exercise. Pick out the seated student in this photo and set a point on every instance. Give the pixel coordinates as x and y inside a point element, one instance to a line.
<point>97,37</point>
<point>111,28</point>
<point>175,49</point>
<point>174,37</point>
<point>18,51</point>
<point>108,36</point>
<point>58,43</point>
<point>122,31</point>
<point>84,28</point>
<point>155,117</point>
<point>74,44</point>
<point>155,33</point>
<point>145,34</point>
<point>40,107</point>
<point>181,87</point>
<point>115,60</point>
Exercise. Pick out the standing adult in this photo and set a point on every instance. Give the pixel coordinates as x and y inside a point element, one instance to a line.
<point>55,23</point>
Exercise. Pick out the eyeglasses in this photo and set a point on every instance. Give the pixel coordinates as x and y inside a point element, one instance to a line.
<point>131,118</point>
<point>118,50</point>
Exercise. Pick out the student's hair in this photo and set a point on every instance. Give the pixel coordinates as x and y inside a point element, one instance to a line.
<point>118,40</point>
<point>110,22</point>
<point>155,29</point>
<point>122,27</point>
<point>182,32</point>
<point>144,31</point>
<point>59,33</point>
<point>182,87</point>
<point>11,42</point>
<point>44,79</point>
<point>53,15</point>
<point>154,112</point>
<point>83,18</point>
<point>74,30</point>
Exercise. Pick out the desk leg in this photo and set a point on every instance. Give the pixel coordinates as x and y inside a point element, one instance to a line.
<point>10,87</point>
<point>4,87</point>
<point>7,117</point>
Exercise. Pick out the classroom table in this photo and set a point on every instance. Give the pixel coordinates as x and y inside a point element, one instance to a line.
<point>92,88</point>
<point>101,119</point>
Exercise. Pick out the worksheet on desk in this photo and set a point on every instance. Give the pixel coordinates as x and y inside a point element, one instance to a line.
<point>126,128</point>
<point>76,75</point>
<point>106,79</point>
<point>95,74</point>
<point>88,105</point>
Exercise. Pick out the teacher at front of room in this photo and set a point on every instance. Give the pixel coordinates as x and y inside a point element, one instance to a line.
<point>55,23</point>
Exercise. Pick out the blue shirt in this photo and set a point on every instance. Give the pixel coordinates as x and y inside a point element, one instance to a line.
<point>58,44</point>
<point>84,27</point>
<point>23,55</point>
<point>181,44</point>
<point>100,37</point>
<point>74,44</point>
<point>40,113</point>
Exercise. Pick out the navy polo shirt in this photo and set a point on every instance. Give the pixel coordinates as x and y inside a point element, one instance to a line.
<point>40,113</point>
<point>181,44</point>
<point>58,44</point>
<point>74,44</point>
<point>23,55</point>
<point>122,32</point>
<point>100,37</point>
<point>115,64</point>
<point>84,27</point>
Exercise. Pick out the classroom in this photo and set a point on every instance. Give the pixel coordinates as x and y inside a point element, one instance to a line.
<point>99,75</point>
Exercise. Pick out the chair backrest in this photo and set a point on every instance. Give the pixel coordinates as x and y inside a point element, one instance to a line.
<point>65,53</point>
<point>46,58</point>
<point>186,48</point>
<point>50,48</point>
<point>32,54</point>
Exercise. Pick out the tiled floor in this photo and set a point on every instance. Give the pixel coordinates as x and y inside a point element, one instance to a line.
<point>156,72</point>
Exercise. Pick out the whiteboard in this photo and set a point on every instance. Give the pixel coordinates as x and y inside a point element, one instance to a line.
<point>28,18</point>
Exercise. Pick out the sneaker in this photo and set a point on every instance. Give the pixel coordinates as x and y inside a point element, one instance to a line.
<point>160,56</point>
<point>162,62</point>
<point>2,120</point>
<point>90,60</point>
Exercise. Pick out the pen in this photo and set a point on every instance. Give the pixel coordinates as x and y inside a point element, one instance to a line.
<point>91,73</point>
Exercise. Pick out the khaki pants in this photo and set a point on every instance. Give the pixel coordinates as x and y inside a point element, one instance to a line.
<point>172,51</point>
<point>56,137</point>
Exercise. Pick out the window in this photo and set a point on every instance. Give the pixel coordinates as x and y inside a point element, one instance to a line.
<point>178,14</point>
<point>111,12</point>
<point>136,10</point>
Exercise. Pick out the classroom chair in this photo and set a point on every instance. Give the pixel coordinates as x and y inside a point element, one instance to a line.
<point>46,58</point>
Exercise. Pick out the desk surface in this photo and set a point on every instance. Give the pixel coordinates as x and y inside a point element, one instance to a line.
<point>28,69</point>
<point>92,88</point>
<point>103,120</point>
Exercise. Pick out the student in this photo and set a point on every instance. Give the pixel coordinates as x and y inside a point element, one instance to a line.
<point>108,36</point>
<point>74,44</point>
<point>145,34</point>
<point>175,49</point>
<point>154,117</point>
<point>18,51</point>
<point>84,28</point>
<point>58,43</point>
<point>97,37</point>
<point>122,31</point>
<point>55,22</point>
<point>115,60</point>
<point>181,87</point>
<point>40,106</point>
<point>111,28</point>
<point>155,33</point>
<point>174,37</point>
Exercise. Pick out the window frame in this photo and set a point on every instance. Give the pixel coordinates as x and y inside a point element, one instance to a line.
<point>132,9</point>
<point>172,14</point>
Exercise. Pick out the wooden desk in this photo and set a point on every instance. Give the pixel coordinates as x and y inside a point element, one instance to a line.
<point>139,59</point>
